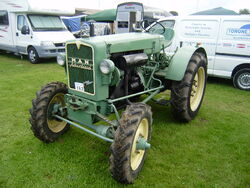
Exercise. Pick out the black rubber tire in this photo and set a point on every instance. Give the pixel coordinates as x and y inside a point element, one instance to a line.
<point>241,76</point>
<point>181,90</point>
<point>39,112</point>
<point>120,165</point>
<point>33,55</point>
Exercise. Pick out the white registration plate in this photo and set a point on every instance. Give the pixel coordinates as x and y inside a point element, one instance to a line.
<point>79,86</point>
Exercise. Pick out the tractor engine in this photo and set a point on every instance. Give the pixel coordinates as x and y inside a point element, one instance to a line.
<point>130,80</point>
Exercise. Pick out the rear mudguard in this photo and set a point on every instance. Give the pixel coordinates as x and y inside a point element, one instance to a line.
<point>179,62</point>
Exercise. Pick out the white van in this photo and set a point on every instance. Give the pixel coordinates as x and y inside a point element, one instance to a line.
<point>33,28</point>
<point>225,38</point>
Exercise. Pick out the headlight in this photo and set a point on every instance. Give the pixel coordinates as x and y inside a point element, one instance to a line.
<point>61,59</point>
<point>47,43</point>
<point>107,66</point>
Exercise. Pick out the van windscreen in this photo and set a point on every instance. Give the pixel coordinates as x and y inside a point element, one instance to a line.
<point>46,23</point>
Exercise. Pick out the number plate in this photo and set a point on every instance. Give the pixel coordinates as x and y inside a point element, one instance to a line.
<point>79,86</point>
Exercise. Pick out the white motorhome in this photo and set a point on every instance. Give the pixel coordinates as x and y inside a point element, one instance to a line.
<point>34,28</point>
<point>128,17</point>
<point>225,38</point>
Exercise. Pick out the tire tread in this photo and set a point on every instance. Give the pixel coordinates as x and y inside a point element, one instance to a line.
<point>120,148</point>
<point>38,119</point>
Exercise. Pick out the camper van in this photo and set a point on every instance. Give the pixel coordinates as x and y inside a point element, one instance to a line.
<point>128,17</point>
<point>34,28</point>
<point>225,38</point>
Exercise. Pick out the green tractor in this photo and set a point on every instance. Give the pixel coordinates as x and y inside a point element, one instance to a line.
<point>107,74</point>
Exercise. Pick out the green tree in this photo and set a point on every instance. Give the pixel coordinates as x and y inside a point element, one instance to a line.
<point>174,13</point>
<point>244,11</point>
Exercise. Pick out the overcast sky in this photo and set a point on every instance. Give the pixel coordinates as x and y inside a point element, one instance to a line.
<point>183,7</point>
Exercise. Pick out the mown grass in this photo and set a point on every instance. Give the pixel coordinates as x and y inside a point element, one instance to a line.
<point>211,151</point>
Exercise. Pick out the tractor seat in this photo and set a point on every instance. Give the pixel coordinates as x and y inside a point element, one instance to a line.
<point>168,33</point>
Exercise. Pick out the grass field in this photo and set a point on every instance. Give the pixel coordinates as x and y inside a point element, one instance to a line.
<point>211,151</point>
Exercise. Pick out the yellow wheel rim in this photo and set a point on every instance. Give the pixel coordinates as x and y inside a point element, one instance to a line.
<point>136,156</point>
<point>197,89</point>
<point>53,124</point>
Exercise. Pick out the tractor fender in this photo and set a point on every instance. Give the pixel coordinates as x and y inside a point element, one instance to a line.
<point>179,62</point>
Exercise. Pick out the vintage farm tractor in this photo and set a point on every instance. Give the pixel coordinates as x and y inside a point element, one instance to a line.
<point>109,73</point>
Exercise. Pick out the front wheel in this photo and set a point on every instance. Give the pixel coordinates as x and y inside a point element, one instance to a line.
<point>44,126</point>
<point>187,94</point>
<point>33,55</point>
<point>128,151</point>
<point>241,79</point>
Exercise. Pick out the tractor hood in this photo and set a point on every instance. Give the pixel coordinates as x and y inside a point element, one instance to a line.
<point>149,43</point>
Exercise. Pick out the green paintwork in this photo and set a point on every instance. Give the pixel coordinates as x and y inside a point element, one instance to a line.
<point>83,72</point>
<point>128,42</point>
<point>104,130</point>
<point>98,54</point>
<point>88,94</point>
<point>84,129</point>
<point>78,114</point>
<point>102,47</point>
<point>168,33</point>
<point>178,64</point>
<point>136,94</point>
<point>83,110</point>
<point>142,144</point>
<point>108,15</point>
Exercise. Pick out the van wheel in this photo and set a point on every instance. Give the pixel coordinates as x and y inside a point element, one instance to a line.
<point>187,94</point>
<point>241,79</point>
<point>33,55</point>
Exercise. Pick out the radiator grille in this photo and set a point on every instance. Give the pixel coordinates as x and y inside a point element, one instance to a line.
<point>80,66</point>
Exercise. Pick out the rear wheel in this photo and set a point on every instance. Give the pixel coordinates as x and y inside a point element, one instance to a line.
<point>127,156</point>
<point>44,126</point>
<point>187,94</point>
<point>241,79</point>
<point>33,55</point>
